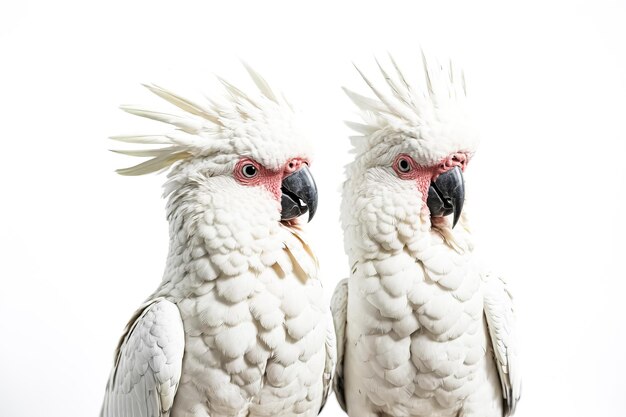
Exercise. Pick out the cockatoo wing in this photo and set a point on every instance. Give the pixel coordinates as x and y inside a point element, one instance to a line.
<point>331,359</point>
<point>500,317</point>
<point>339,308</point>
<point>148,363</point>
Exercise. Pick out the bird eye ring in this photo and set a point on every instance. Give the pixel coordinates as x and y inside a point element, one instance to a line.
<point>403,165</point>
<point>249,171</point>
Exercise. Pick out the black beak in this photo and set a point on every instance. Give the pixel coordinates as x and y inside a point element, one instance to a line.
<point>299,195</point>
<point>446,195</point>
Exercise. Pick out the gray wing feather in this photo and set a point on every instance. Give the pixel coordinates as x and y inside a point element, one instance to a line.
<point>339,308</point>
<point>500,317</point>
<point>148,363</point>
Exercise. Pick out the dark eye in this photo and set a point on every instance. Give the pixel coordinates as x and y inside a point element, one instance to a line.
<point>403,165</point>
<point>249,171</point>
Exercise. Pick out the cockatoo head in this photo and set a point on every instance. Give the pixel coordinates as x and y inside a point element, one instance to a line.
<point>413,147</point>
<point>244,158</point>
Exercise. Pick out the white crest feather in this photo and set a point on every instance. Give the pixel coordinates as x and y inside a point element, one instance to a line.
<point>184,104</point>
<point>143,139</point>
<point>430,121</point>
<point>256,125</point>
<point>260,82</point>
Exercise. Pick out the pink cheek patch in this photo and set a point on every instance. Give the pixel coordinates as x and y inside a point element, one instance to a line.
<point>423,183</point>
<point>273,183</point>
<point>421,175</point>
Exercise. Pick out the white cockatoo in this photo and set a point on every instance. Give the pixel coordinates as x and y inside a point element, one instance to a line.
<point>421,329</point>
<point>238,325</point>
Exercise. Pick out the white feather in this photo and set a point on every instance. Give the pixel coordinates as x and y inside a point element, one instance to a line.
<point>148,364</point>
<point>245,123</point>
<point>430,123</point>
<point>412,338</point>
<point>245,287</point>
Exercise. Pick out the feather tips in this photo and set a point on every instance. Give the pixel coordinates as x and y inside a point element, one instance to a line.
<point>500,318</point>
<point>184,104</point>
<point>360,128</point>
<point>143,139</point>
<point>393,106</point>
<point>203,129</point>
<point>366,103</point>
<point>260,82</point>
<point>185,124</point>
<point>404,102</point>
<point>156,164</point>
<point>435,114</point>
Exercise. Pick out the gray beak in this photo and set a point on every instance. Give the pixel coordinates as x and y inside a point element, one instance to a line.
<point>299,195</point>
<point>446,195</point>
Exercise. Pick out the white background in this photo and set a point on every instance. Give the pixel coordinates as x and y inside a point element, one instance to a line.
<point>81,247</point>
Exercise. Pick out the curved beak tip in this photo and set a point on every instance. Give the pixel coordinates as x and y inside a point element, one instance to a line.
<point>299,195</point>
<point>446,195</point>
